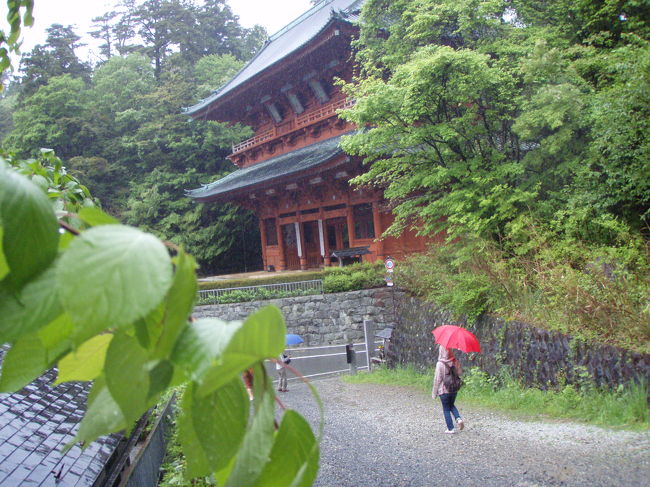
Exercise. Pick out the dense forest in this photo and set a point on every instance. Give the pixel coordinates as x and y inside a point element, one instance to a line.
<point>119,127</point>
<point>521,128</point>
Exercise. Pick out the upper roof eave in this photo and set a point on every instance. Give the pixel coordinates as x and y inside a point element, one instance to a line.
<point>282,45</point>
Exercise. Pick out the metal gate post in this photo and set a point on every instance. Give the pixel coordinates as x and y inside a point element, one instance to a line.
<point>369,333</point>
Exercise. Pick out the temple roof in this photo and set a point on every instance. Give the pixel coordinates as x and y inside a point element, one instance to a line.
<point>36,423</point>
<point>271,170</point>
<point>285,42</point>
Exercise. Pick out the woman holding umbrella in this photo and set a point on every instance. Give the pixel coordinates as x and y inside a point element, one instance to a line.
<point>284,359</point>
<point>446,381</point>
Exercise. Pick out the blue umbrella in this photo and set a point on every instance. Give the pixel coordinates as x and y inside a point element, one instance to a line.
<point>293,339</point>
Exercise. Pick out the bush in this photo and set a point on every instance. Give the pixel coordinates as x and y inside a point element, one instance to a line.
<point>595,292</point>
<point>272,279</point>
<point>354,277</point>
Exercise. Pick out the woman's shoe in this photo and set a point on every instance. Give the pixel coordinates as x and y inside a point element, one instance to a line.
<point>450,432</point>
<point>460,424</point>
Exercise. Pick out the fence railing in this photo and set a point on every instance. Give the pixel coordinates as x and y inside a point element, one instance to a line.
<point>314,286</point>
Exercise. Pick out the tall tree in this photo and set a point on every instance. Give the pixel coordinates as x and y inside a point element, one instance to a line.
<point>54,58</point>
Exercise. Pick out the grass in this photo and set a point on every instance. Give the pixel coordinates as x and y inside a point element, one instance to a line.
<point>625,407</point>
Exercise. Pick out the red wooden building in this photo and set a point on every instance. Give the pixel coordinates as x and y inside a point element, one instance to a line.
<point>292,173</point>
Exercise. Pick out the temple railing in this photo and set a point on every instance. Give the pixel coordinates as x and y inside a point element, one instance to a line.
<point>302,120</point>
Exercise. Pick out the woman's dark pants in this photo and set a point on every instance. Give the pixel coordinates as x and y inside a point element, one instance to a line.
<point>448,408</point>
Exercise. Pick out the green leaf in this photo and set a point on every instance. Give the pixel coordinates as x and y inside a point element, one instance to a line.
<point>212,427</point>
<point>31,236</point>
<point>24,362</point>
<point>112,275</point>
<point>85,363</point>
<point>149,328</point>
<point>4,266</point>
<point>295,454</point>
<point>180,302</point>
<point>127,377</point>
<point>258,441</point>
<point>214,352</point>
<point>95,217</point>
<point>160,378</point>
<point>30,308</point>
<point>55,336</point>
<point>261,336</point>
<point>103,415</point>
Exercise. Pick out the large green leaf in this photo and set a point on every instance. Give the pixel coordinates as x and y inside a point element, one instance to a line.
<point>212,427</point>
<point>31,236</point>
<point>294,457</point>
<point>180,302</point>
<point>127,377</point>
<point>258,441</point>
<point>24,362</point>
<point>33,354</point>
<point>195,456</point>
<point>201,343</point>
<point>86,362</point>
<point>261,336</point>
<point>55,336</point>
<point>149,328</point>
<point>30,308</point>
<point>95,217</point>
<point>213,352</point>
<point>103,415</point>
<point>4,266</point>
<point>112,275</point>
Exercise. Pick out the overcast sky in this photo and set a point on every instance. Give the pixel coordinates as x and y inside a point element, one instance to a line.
<point>272,14</point>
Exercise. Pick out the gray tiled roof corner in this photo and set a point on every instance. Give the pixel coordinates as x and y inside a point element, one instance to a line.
<point>284,42</point>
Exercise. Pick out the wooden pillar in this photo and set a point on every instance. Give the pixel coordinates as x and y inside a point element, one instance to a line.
<point>281,259</point>
<point>264,243</point>
<point>376,221</point>
<point>327,261</point>
<point>350,218</point>
<point>300,241</point>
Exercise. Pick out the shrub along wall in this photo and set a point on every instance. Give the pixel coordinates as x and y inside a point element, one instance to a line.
<point>539,357</point>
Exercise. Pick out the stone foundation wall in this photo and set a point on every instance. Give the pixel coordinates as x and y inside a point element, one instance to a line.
<point>325,319</point>
<point>539,357</point>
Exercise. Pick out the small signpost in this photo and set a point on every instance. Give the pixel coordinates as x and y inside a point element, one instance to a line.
<point>390,266</point>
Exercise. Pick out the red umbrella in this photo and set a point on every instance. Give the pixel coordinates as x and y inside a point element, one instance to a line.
<point>451,336</point>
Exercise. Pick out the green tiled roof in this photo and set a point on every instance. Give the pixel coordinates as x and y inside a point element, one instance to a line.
<point>270,170</point>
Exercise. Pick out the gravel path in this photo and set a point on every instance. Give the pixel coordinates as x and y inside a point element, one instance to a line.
<point>388,436</point>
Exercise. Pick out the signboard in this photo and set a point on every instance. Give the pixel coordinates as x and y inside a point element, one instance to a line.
<point>390,264</point>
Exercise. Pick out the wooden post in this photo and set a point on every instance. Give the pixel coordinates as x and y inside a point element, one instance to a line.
<point>300,241</point>
<point>282,260</point>
<point>376,220</point>
<point>263,239</point>
<point>350,219</point>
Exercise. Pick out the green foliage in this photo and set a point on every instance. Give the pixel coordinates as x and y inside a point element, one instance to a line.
<point>108,303</point>
<point>353,277</point>
<point>255,294</point>
<point>123,131</point>
<point>518,131</point>
<point>551,282</point>
<point>19,13</point>
<point>260,281</point>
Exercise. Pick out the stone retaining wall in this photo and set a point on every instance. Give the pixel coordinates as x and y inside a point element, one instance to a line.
<point>323,319</point>
<point>539,357</point>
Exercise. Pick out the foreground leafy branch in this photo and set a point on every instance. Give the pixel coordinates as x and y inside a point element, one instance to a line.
<point>107,303</point>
